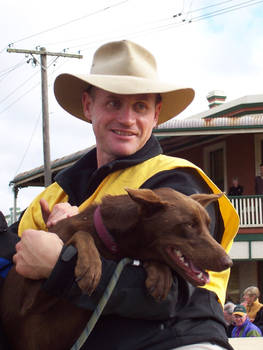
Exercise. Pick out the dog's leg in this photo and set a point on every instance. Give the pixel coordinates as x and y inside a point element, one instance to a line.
<point>159,279</point>
<point>88,267</point>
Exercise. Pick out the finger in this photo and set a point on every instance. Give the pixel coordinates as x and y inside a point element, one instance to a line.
<point>18,245</point>
<point>45,210</point>
<point>15,258</point>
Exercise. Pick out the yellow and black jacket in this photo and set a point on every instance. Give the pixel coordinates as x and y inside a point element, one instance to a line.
<point>185,317</point>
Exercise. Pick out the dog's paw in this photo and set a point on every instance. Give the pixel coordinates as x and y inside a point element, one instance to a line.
<point>88,275</point>
<point>159,279</point>
<point>88,266</point>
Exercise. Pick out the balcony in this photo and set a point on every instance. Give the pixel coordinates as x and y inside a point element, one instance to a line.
<point>249,209</point>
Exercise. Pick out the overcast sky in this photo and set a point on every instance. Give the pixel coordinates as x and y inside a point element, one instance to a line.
<point>207,45</point>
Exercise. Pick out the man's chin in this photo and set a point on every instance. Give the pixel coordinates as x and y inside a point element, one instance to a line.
<point>123,152</point>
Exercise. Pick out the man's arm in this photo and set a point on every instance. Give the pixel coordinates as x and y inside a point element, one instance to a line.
<point>130,298</point>
<point>128,294</point>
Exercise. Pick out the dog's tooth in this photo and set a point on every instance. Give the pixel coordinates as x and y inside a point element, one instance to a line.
<point>186,264</point>
<point>178,252</point>
<point>200,275</point>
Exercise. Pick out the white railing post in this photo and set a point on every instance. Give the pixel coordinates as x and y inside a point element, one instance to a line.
<point>249,209</point>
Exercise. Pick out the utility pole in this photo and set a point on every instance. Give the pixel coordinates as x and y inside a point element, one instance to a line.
<point>45,115</point>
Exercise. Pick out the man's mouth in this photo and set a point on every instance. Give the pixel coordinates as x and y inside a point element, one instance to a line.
<point>123,133</point>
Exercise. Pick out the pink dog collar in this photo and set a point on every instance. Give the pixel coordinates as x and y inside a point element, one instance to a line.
<point>103,233</point>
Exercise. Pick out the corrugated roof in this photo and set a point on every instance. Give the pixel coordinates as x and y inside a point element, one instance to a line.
<point>247,123</point>
<point>35,177</point>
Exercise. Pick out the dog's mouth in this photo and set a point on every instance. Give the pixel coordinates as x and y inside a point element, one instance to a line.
<point>186,267</point>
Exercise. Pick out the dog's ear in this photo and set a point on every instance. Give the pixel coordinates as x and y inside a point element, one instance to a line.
<point>149,202</point>
<point>205,199</point>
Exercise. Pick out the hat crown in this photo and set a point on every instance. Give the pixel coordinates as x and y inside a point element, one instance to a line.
<point>240,308</point>
<point>124,58</point>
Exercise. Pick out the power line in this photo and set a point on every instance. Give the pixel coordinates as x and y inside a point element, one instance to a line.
<point>69,22</point>
<point>43,53</point>
<point>226,10</point>
<point>29,144</point>
<point>19,98</point>
<point>22,84</point>
<point>18,87</point>
<point>6,71</point>
<point>36,125</point>
<point>221,11</point>
<point>168,25</point>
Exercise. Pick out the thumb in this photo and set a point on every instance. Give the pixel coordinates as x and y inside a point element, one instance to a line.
<point>44,209</point>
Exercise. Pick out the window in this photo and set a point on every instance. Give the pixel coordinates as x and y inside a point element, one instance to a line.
<point>258,152</point>
<point>215,168</point>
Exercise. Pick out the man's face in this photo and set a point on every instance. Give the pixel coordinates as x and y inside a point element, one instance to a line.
<point>228,317</point>
<point>122,124</point>
<point>249,298</point>
<point>239,320</point>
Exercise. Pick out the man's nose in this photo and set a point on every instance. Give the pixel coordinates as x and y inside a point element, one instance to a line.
<point>127,115</point>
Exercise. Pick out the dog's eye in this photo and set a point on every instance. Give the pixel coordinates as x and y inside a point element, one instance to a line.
<point>191,225</point>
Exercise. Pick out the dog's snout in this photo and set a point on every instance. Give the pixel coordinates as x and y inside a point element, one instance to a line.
<point>226,261</point>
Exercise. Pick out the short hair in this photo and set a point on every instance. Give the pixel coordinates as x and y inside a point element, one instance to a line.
<point>252,291</point>
<point>229,307</point>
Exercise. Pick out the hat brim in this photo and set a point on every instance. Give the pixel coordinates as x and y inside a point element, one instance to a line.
<point>68,89</point>
<point>240,313</point>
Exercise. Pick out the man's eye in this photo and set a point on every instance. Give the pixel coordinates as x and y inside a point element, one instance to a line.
<point>140,107</point>
<point>114,104</point>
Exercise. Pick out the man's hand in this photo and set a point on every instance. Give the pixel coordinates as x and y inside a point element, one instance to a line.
<point>37,253</point>
<point>60,211</point>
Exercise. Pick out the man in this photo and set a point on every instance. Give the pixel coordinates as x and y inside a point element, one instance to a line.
<point>259,181</point>
<point>236,189</point>
<point>244,327</point>
<point>228,315</point>
<point>124,100</point>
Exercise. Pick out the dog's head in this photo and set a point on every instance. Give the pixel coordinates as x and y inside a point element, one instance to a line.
<point>175,229</point>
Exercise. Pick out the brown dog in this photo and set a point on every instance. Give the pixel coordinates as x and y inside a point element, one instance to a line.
<point>162,227</point>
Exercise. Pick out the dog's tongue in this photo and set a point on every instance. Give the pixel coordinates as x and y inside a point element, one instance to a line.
<point>194,268</point>
<point>205,275</point>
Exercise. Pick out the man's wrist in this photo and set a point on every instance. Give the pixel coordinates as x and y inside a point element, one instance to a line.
<point>62,276</point>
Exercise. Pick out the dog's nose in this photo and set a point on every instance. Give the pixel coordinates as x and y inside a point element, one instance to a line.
<point>226,261</point>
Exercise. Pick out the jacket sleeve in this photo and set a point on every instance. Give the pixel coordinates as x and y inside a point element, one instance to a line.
<point>129,298</point>
<point>259,319</point>
<point>8,240</point>
<point>129,292</point>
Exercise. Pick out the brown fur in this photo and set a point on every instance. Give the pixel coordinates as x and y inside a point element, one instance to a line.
<point>152,226</point>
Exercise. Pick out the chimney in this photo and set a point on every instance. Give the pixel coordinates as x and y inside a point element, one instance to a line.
<point>215,98</point>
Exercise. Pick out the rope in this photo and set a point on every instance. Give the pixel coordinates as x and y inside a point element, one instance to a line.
<point>103,301</point>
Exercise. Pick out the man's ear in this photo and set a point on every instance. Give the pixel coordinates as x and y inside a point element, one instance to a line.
<point>157,112</point>
<point>86,103</point>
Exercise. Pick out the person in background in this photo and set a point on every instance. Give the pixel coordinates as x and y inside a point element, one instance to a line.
<point>228,311</point>
<point>259,181</point>
<point>243,326</point>
<point>253,306</point>
<point>236,189</point>
<point>124,99</point>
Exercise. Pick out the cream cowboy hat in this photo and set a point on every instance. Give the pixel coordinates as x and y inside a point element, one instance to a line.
<point>121,67</point>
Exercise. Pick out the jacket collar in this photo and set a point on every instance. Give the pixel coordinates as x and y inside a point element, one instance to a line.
<point>81,179</point>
